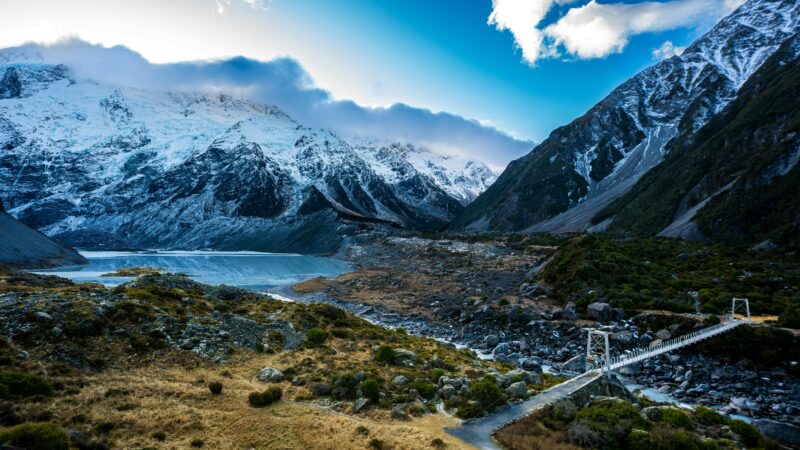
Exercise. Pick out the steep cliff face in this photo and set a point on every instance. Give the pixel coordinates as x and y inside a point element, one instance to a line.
<point>736,178</point>
<point>23,247</point>
<point>102,166</point>
<point>599,156</point>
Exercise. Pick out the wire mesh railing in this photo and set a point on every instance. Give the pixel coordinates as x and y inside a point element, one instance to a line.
<point>643,353</point>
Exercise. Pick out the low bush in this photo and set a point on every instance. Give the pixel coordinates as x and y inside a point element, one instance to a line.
<point>19,384</point>
<point>36,436</point>
<point>197,443</point>
<point>215,387</point>
<point>487,393</point>
<point>676,418</point>
<point>605,424</point>
<point>750,436</point>
<point>260,399</point>
<point>159,436</point>
<point>276,392</point>
<point>707,416</point>
<point>385,354</point>
<point>376,444</point>
<point>424,387</point>
<point>371,389</point>
<point>316,336</point>
<point>469,410</point>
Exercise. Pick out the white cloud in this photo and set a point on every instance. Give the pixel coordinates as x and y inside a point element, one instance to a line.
<point>285,83</point>
<point>667,50</point>
<point>521,18</point>
<point>223,5</point>
<point>596,30</point>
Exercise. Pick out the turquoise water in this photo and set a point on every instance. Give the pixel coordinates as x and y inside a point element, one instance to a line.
<point>248,270</point>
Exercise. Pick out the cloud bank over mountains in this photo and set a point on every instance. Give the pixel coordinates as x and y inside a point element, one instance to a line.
<point>596,30</point>
<point>284,82</point>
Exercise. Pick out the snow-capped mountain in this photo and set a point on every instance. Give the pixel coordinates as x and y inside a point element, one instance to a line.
<point>583,166</point>
<point>463,178</point>
<point>99,165</point>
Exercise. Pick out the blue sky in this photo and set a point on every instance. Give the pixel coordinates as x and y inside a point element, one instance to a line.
<point>535,65</point>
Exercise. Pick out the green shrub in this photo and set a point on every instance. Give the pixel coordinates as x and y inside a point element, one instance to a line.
<point>469,410</point>
<point>36,436</point>
<point>376,444</point>
<point>316,336</point>
<point>676,418</point>
<point>641,440</point>
<point>362,430</point>
<point>713,319</point>
<point>276,392</point>
<point>328,312</point>
<point>159,436</point>
<point>197,443</point>
<point>605,424</point>
<point>385,354</point>
<point>436,374</point>
<point>105,427</point>
<point>215,387</point>
<point>20,384</point>
<point>487,393</point>
<point>425,388</point>
<point>790,316</point>
<point>438,443</point>
<point>750,436</point>
<point>371,389</point>
<point>708,416</point>
<point>260,399</point>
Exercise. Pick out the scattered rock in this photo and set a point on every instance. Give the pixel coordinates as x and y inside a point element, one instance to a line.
<point>361,404</point>
<point>405,357</point>
<point>517,390</point>
<point>400,380</point>
<point>270,374</point>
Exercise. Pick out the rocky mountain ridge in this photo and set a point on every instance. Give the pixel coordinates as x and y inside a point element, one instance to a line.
<point>583,166</point>
<point>104,166</point>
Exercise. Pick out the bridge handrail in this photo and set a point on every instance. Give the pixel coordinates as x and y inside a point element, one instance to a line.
<point>642,353</point>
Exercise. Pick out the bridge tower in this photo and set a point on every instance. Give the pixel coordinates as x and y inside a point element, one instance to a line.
<point>737,303</point>
<point>598,353</point>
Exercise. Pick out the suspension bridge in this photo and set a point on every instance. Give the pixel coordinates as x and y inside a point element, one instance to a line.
<point>598,362</point>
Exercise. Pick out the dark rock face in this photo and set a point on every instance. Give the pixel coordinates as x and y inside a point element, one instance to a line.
<point>23,247</point>
<point>735,178</point>
<point>782,432</point>
<point>600,155</point>
<point>10,85</point>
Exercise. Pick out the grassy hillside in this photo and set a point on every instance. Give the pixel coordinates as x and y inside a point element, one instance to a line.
<point>660,273</point>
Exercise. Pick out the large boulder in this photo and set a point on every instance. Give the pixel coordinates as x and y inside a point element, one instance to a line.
<point>517,390</point>
<point>360,405</point>
<point>784,433</point>
<point>503,348</point>
<point>491,340</point>
<point>405,357</point>
<point>270,374</point>
<point>603,312</point>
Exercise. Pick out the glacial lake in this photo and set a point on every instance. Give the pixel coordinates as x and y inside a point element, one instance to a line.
<point>249,270</point>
